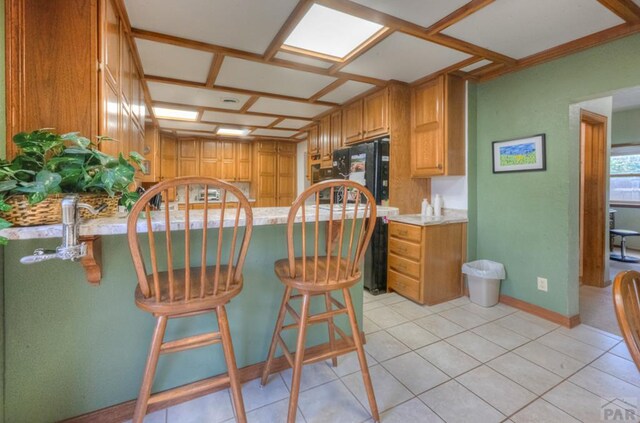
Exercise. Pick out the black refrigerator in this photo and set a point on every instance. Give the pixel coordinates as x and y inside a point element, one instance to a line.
<point>368,164</point>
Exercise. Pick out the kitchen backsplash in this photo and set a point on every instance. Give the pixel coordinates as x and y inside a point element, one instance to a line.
<point>194,191</point>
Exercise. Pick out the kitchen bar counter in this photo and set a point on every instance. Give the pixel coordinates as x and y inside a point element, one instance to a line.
<point>118,225</point>
<point>71,348</point>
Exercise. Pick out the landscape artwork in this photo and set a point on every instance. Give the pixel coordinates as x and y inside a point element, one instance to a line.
<point>523,154</point>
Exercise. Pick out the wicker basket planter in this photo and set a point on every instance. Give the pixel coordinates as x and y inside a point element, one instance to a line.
<point>48,212</point>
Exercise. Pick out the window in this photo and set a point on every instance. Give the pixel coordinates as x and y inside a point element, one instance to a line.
<point>625,175</point>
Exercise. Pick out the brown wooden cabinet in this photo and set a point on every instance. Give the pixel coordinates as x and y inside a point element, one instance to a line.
<point>424,262</point>
<point>437,127</point>
<point>151,151</point>
<point>189,157</point>
<point>168,159</point>
<point>352,122</point>
<point>274,181</point>
<point>375,114</point>
<point>243,162</point>
<point>227,157</point>
<point>324,141</point>
<point>208,158</point>
<point>335,136</point>
<point>313,148</point>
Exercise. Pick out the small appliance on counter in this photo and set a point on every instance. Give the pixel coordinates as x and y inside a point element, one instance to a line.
<point>213,194</point>
<point>368,164</point>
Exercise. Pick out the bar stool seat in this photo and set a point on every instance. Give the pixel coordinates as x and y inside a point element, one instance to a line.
<point>281,269</point>
<point>623,234</point>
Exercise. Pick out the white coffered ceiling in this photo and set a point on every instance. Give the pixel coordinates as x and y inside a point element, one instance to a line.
<point>225,60</point>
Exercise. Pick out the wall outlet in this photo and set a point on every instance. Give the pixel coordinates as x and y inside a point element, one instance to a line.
<point>542,284</point>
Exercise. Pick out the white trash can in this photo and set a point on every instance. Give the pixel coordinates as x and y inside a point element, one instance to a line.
<point>483,280</point>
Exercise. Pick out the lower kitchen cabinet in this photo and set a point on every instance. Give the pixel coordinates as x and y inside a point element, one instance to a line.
<point>425,262</point>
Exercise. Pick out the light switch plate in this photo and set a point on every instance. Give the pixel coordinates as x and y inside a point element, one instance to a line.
<point>542,284</point>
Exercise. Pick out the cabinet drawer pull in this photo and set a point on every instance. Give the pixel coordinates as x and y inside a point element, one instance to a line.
<point>439,166</point>
<point>403,232</point>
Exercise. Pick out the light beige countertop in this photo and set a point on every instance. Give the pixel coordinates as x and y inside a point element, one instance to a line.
<point>118,225</point>
<point>449,216</point>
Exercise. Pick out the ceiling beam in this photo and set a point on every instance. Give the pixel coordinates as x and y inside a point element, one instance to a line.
<point>410,28</point>
<point>238,112</point>
<point>213,48</point>
<point>571,47</point>
<point>214,70</point>
<point>247,105</point>
<point>452,68</point>
<point>275,122</point>
<point>458,15</point>
<point>626,9</point>
<point>294,18</point>
<point>338,82</point>
<point>191,84</point>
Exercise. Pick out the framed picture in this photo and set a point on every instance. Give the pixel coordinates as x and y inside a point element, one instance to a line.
<point>519,155</point>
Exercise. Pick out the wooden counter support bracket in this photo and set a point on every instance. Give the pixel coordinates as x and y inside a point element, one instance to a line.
<point>92,261</point>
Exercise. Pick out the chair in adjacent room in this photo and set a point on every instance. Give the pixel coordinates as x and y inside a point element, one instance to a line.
<point>189,287</point>
<point>320,270</point>
<point>626,301</point>
<point>623,256</point>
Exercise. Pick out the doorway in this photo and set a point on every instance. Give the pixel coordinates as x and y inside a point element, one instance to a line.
<point>593,202</point>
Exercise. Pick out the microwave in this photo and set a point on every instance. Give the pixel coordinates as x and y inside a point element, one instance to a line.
<point>213,194</point>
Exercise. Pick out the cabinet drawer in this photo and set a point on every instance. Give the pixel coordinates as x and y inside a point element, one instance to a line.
<point>404,266</point>
<point>404,249</point>
<point>403,285</point>
<point>408,232</point>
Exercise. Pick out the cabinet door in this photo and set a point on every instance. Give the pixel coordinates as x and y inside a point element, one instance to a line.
<point>312,141</point>
<point>324,138</point>
<point>151,151</point>
<point>111,44</point>
<point>227,154</point>
<point>267,179</point>
<point>427,128</point>
<point>168,160</point>
<point>286,179</point>
<point>243,160</point>
<point>267,146</point>
<point>111,121</point>
<point>352,122</point>
<point>126,70</point>
<point>376,114</point>
<point>336,131</point>
<point>209,158</point>
<point>126,129</point>
<point>188,157</point>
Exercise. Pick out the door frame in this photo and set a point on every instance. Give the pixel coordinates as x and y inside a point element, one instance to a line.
<point>593,173</point>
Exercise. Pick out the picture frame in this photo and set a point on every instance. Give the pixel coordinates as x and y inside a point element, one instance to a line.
<point>527,154</point>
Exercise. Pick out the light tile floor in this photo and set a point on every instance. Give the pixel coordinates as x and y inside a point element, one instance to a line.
<point>454,362</point>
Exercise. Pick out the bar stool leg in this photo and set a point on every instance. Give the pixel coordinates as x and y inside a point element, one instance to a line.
<point>234,378</point>
<point>150,370</point>
<point>332,330</point>
<point>361,356</point>
<point>299,358</point>
<point>276,330</point>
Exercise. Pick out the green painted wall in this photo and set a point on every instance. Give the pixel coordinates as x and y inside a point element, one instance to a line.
<point>529,221</point>
<point>472,170</point>
<point>72,348</point>
<point>3,123</point>
<point>625,127</point>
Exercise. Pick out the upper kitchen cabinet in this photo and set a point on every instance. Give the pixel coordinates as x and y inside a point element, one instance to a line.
<point>100,94</point>
<point>151,152</point>
<point>190,157</point>
<point>366,118</point>
<point>274,173</point>
<point>208,158</point>
<point>243,162</point>
<point>227,157</point>
<point>324,140</point>
<point>437,127</point>
<point>335,136</point>
<point>313,148</point>
<point>375,114</point>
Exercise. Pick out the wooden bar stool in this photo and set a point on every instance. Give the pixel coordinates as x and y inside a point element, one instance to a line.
<point>626,301</point>
<point>193,290</point>
<point>336,267</point>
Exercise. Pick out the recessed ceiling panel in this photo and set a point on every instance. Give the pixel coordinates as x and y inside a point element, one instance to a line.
<point>237,119</point>
<point>520,28</point>
<point>476,65</point>
<point>170,61</point>
<point>420,12</point>
<point>177,124</point>
<point>248,25</point>
<point>196,96</point>
<point>288,108</point>
<point>274,133</point>
<point>292,123</point>
<point>404,58</point>
<point>256,76</point>
<point>346,91</point>
<point>304,60</point>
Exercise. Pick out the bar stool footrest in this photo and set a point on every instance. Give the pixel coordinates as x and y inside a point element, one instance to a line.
<point>190,389</point>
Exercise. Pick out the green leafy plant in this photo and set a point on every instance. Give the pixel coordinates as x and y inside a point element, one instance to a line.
<point>50,163</point>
